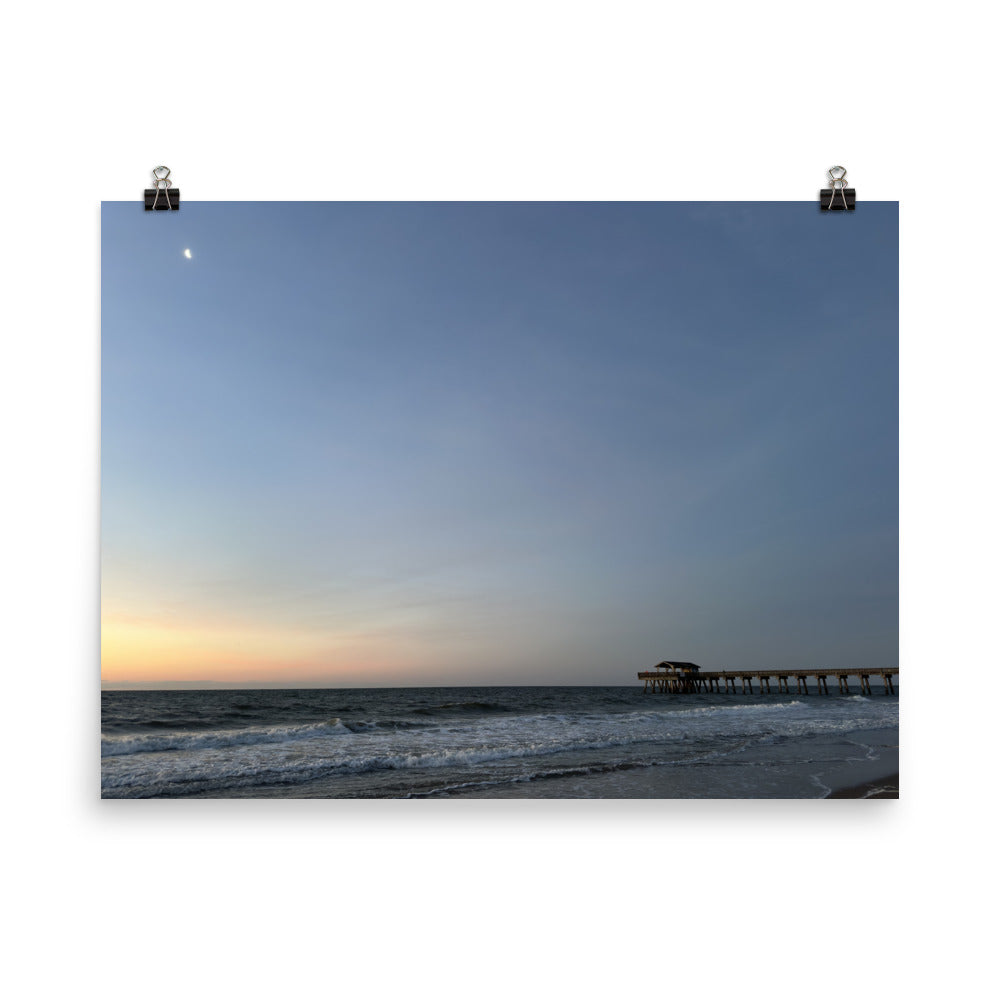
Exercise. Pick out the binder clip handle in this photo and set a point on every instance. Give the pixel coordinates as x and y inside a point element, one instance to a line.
<point>161,182</point>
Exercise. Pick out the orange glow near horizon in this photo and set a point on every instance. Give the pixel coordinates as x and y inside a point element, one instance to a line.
<point>145,652</point>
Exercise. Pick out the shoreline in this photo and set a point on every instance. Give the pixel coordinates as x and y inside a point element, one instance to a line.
<point>878,788</point>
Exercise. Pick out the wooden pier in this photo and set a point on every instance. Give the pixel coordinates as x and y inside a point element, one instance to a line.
<point>725,681</point>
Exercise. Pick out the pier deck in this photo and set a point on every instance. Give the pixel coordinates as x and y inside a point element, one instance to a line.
<point>707,681</point>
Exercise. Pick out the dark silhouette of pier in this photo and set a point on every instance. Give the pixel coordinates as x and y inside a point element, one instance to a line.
<point>688,678</point>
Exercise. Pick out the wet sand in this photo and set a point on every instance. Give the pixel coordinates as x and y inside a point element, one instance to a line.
<point>817,766</point>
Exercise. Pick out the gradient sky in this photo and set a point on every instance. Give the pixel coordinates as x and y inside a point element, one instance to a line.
<point>362,444</point>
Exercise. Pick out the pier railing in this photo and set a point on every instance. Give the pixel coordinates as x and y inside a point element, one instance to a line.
<point>724,681</point>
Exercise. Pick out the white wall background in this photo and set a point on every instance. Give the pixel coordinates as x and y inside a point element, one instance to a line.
<point>546,100</point>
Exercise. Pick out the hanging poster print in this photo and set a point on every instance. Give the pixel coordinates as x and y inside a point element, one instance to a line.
<point>499,500</point>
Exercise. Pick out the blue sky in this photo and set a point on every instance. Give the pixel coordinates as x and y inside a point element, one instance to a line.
<point>420,443</point>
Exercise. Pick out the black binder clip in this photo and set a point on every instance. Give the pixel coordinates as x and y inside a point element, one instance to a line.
<point>163,197</point>
<point>840,198</point>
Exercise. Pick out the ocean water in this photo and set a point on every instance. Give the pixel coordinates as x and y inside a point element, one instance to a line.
<point>529,742</point>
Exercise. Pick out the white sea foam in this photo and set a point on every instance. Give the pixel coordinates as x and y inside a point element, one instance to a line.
<point>216,768</point>
<point>117,746</point>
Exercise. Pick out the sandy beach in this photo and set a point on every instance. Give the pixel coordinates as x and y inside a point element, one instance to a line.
<point>880,788</point>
